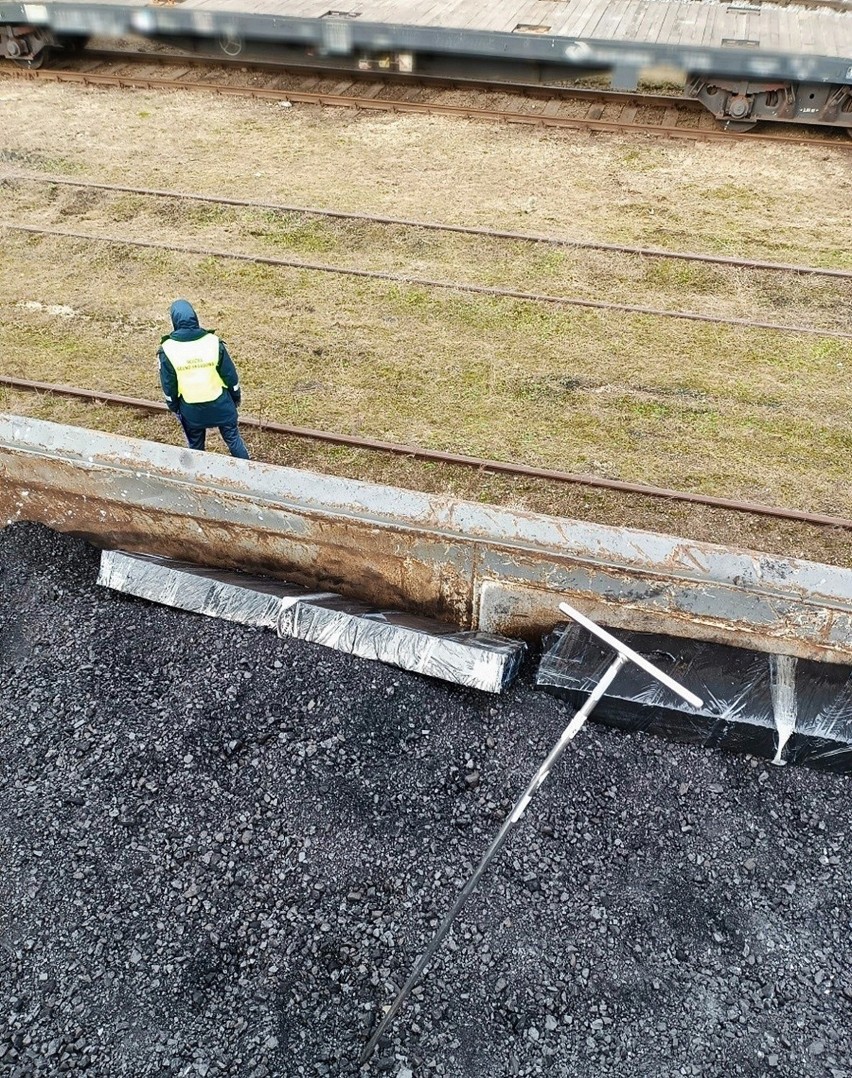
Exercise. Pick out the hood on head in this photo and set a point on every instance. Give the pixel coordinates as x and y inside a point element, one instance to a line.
<point>183,315</point>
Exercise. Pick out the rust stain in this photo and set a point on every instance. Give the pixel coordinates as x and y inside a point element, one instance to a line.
<point>423,570</point>
<point>530,619</point>
<point>344,556</point>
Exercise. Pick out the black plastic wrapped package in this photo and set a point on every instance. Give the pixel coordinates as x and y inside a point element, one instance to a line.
<point>421,645</point>
<point>783,709</point>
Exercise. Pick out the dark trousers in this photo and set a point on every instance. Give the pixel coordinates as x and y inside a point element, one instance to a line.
<point>196,436</point>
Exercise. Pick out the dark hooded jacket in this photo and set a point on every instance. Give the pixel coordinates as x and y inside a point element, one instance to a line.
<point>210,413</point>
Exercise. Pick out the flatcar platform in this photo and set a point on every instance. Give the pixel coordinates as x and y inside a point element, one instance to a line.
<point>745,61</point>
<point>681,24</point>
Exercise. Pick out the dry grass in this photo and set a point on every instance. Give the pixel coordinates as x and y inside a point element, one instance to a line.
<point>524,266</point>
<point>745,199</point>
<point>739,413</point>
<point>717,409</point>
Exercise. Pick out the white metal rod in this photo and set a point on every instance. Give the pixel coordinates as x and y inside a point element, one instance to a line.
<point>624,655</point>
<point>517,812</point>
<point>630,654</point>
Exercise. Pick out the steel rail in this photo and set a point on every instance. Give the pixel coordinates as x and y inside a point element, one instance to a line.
<point>462,460</point>
<point>422,108</point>
<point>428,282</point>
<point>434,226</point>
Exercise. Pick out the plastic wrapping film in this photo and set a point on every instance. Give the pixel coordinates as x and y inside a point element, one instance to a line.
<point>781,708</point>
<point>217,593</point>
<point>421,645</point>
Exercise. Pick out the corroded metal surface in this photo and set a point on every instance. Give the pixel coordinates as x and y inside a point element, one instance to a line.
<point>478,566</point>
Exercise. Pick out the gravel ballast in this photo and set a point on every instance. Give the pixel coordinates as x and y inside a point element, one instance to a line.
<point>221,853</point>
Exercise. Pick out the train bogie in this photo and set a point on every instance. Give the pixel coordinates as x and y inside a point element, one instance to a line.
<point>25,45</point>
<point>33,46</point>
<point>742,103</point>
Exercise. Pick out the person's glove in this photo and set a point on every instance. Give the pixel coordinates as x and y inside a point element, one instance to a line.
<point>236,397</point>
<point>173,407</point>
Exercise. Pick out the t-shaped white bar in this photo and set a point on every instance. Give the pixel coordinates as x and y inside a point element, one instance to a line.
<point>625,655</point>
<point>630,654</point>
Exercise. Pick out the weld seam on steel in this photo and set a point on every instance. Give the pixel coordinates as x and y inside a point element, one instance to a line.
<point>418,453</point>
<point>392,105</point>
<point>437,226</point>
<point>426,282</point>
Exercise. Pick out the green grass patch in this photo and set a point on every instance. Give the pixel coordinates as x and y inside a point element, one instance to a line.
<point>684,276</point>
<point>641,159</point>
<point>744,198</point>
<point>37,161</point>
<point>297,233</point>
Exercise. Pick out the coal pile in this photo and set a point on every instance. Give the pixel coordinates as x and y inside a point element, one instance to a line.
<point>222,852</point>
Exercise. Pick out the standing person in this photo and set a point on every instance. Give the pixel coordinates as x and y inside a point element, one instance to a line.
<point>199,380</point>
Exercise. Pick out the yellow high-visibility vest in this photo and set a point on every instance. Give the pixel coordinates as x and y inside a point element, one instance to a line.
<point>195,365</point>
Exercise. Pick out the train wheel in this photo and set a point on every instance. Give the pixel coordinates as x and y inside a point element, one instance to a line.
<point>231,45</point>
<point>33,63</point>
<point>739,125</point>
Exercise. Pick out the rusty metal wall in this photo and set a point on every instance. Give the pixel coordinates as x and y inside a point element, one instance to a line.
<point>475,565</point>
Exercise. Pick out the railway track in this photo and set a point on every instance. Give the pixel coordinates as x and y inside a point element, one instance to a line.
<point>578,481</point>
<point>303,75</point>
<point>427,282</point>
<point>434,226</point>
<point>566,108</point>
<point>437,457</point>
